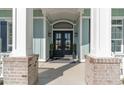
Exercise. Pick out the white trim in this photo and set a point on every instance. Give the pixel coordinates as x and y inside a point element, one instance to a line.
<point>36,8</point>
<point>117,17</point>
<point>77,20</point>
<point>8,19</point>
<point>42,17</point>
<point>82,60</point>
<point>117,25</point>
<point>80,43</point>
<point>44,38</point>
<point>74,36</point>
<point>48,20</point>
<point>14,29</point>
<point>63,21</point>
<point>52,33</point>
<point>43,60</point>
<point>5,8</point>
<point>86,17</point>
<point>62,29</point>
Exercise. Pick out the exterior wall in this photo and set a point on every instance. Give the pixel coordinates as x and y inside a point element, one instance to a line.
<point>117,11</point>
<point>77,39</point>
<point>85,28</point>
<point>86,12</point>
<point>38,37</point>
<point>85,36</point>
<point>5,13</point>
<point>37,13</point>
<point>48,39</point>
<point>85,33</point>
<point>41,40</point>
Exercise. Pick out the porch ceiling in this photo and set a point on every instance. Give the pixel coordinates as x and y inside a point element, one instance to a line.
<point>54,14</point>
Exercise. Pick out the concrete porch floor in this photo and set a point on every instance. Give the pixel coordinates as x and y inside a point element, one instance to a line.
<point>61,73</point>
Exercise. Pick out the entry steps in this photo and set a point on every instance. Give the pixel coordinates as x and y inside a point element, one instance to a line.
<point>65,59</point>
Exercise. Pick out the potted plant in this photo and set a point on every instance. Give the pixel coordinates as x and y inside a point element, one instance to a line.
<point>122,80</point>
<point>74,51</point>
<point>51,50</point>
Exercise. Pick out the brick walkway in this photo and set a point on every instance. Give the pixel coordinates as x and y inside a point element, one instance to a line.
<point>61,73</point>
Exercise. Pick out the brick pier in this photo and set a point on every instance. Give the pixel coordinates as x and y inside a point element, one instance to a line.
<point>102,71</point>
<point>19,70</point>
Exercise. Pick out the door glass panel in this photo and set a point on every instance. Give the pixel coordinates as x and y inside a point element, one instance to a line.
<point>58,41</point>
<point>67,41</point>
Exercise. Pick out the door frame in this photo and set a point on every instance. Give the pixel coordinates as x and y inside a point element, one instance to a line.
<point>71,38</point>
<point>58,21</point>
<point>53,29</point>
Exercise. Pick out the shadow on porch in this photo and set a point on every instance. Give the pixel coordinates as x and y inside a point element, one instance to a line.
<point>61,74</point>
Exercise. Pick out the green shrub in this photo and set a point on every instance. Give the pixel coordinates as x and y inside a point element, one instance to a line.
<point>51,47</point>
<point>122,80</point>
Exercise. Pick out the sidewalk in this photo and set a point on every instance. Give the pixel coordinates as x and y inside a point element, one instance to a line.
<point>61,73</point>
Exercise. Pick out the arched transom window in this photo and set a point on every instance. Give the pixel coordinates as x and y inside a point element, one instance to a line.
<point>63,25</point>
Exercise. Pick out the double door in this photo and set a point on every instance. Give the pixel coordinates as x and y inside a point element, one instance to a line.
<point>63,42</point>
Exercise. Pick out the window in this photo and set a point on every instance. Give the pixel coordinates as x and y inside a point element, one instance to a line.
<point>117,35</point>
<point>9,47</point>
<point>63,25</point>
<point>5,36</point>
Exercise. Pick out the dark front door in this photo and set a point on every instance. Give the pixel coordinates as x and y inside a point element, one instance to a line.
<point>63,41</point>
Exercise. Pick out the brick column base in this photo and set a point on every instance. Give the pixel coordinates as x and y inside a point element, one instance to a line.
<point>21,70</point>
<point>102,71</point>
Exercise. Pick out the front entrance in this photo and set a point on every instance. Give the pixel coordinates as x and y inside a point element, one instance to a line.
<point>63,42</point>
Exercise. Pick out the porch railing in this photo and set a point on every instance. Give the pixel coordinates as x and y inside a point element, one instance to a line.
<point>2,55</point>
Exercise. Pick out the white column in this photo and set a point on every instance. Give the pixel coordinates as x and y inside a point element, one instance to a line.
<point>101,32</point>
<point>22,32</point>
